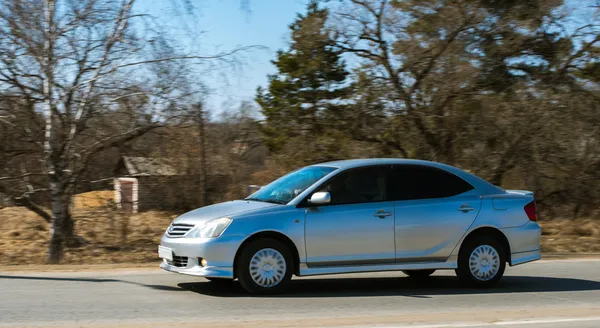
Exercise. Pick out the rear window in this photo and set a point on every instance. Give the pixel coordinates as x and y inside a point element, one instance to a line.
<point>409,182</point>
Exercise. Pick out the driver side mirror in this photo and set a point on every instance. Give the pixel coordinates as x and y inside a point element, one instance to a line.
<point>320,198</point>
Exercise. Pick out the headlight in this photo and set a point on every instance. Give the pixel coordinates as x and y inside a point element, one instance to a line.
<point>210,229</point>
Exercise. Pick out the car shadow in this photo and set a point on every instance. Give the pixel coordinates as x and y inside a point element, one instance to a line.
<point>91,280</point>
<point>402,286</point>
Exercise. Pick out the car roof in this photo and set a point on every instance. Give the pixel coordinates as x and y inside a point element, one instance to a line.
<point>350,163</point>
<point>483,186</point>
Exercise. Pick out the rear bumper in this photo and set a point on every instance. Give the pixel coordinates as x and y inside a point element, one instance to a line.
<point>524,243</point>
<point>524,257</point>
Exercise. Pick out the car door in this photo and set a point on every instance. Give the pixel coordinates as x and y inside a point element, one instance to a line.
<point>432,210</point>
<point>357,226</point>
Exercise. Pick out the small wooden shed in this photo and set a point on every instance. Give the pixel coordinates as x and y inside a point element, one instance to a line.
<point>145,183</point>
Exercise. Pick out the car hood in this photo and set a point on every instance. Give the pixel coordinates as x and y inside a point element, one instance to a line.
<point>219,210</point>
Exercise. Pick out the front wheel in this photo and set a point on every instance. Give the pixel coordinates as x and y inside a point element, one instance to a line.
<point>481,262</point>
<point>265,266</point>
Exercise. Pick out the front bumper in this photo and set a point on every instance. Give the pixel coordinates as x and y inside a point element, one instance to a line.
<point>219,254</point>
<point>197,270</point>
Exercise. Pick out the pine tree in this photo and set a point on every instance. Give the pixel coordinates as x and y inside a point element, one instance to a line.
<point>309,87</point>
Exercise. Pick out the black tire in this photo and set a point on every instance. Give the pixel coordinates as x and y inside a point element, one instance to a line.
<point>419,274</point>
<point>468,278</point>
<point>243,266</point>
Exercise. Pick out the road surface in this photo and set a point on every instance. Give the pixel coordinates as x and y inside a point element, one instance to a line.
<point>557,293</point>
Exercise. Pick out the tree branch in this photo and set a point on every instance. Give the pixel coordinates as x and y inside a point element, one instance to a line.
<point>21,176</point>
<point>30,205</point>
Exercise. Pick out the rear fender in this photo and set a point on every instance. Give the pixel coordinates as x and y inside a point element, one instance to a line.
<point>500,211</point>
<point>505,210</point>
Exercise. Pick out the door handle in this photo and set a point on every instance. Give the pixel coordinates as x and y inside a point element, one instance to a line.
<point>382,214</point>
<point>465,208</point>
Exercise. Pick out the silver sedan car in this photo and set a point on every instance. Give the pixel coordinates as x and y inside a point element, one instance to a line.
<point>363,215</point>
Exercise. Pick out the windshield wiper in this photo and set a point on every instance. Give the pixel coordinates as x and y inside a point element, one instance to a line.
<point>272,201</point>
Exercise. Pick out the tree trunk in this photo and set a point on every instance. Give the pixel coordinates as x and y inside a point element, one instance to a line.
<point>202,151</point>
<point>70,237</point>
<point>61,224</point>
<point>449,149</point>
<point>505,165</point>
<point>54,162</point>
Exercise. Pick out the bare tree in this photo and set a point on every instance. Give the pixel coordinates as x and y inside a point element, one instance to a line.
<point>78,64</point>
<point>459,74</point>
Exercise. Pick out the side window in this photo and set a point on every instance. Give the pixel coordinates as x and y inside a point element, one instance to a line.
<point>408,182</point>
<point>362,185</point>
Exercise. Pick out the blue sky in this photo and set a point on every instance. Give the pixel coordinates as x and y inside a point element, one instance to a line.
<point>224,24</point>
<point>220,25</point>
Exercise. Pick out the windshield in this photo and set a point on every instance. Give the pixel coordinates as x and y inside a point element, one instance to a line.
<point>286,188</point>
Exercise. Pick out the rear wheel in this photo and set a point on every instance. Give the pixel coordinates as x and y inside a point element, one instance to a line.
<point>265,266</point>
<point>481,262</point>
<point>418,274</point>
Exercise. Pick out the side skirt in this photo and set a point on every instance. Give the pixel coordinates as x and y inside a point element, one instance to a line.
<point>451,264</point>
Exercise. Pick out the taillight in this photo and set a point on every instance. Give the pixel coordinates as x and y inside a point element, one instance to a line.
<point>531,210</point>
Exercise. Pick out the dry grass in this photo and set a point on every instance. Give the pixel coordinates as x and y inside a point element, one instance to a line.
<point>571,236</point>
<point>93,199</point>
<point>116,238</point>
<point>112,237</point>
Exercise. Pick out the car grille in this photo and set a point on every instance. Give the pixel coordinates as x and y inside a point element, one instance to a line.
<point>179,229</point>
<point>179,261</point>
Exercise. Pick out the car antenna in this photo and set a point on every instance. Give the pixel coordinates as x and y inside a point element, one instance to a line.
<point>434,155</point>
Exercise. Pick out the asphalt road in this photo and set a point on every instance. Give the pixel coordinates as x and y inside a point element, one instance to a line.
<point>561,293</point>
